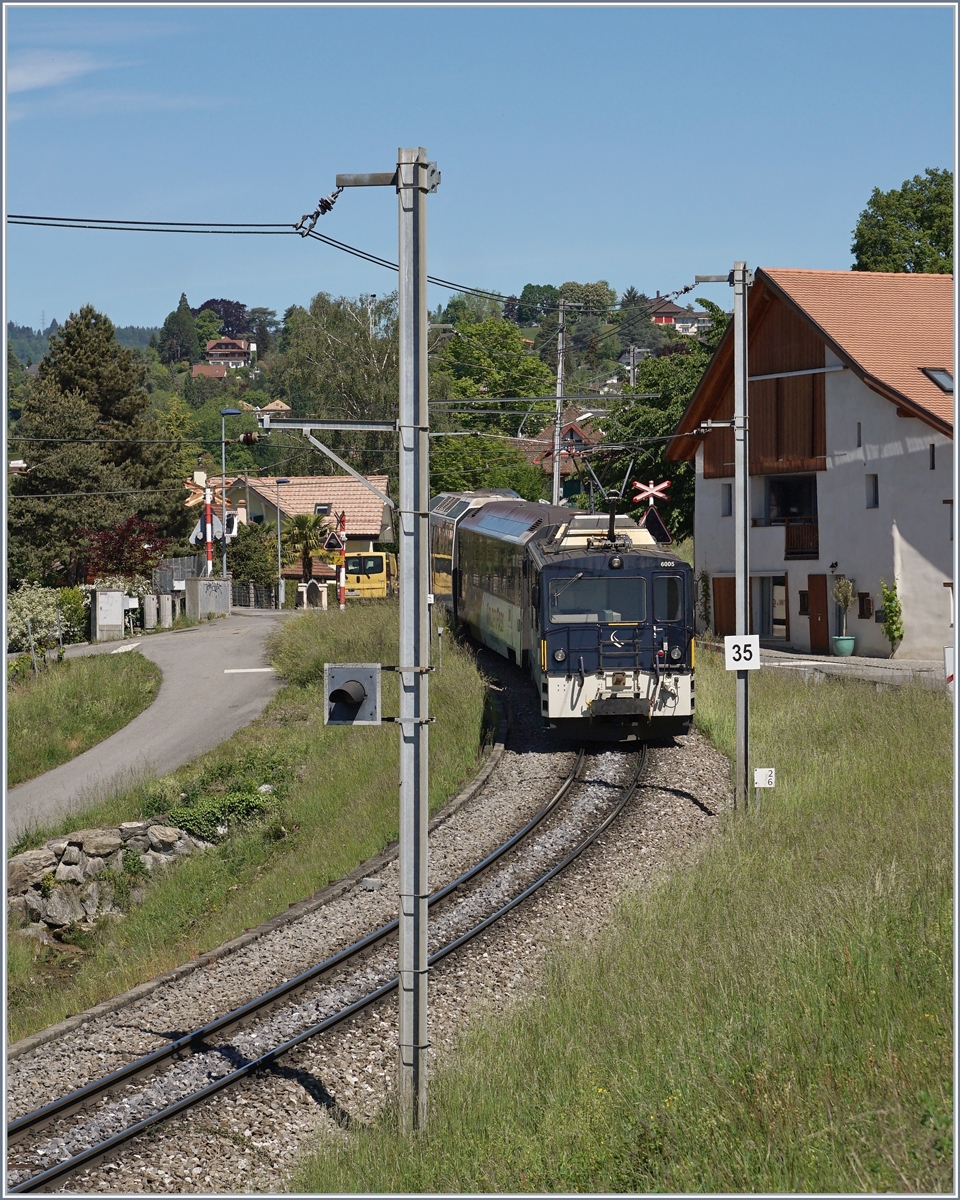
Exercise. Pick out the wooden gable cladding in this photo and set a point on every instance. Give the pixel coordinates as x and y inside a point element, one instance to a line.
<point>787,416</point>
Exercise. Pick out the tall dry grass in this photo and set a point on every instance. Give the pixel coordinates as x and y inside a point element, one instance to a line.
<point>776,1019</point>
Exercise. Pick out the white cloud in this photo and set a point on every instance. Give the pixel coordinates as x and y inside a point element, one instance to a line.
<point>32,69</point>
<point>108,103</point>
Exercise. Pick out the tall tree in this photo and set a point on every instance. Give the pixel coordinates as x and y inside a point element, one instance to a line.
<point>130,547</point>
<point>329,366</point>
<point>908,228</point>
<point>178,337</point>
<point>596,299</point>
<point>489,359</point>
<point>302,537</point>
<point>464,463</point>
<point>233,316</point>
<point>262,325</point>
<point>72,485</point>
<point>635,327</point>
<point>208,326</point>
<point>644,424</point>
<point>253,555</point>
<point>113,460</point>
<point>536,300</point>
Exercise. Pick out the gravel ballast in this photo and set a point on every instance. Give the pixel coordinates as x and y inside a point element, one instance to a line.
<point>249,1137</point>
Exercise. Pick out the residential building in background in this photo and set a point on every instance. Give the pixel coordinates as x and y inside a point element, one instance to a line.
<point>850,459</point>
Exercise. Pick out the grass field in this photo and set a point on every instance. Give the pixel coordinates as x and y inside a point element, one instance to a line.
<point>335,805</point>
<point>775,1019</point>
<point>69,707</point>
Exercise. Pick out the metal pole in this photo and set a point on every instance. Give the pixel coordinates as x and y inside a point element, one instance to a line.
<point>414,632</point>
<point>208,517</point>
<point>633,366</point>
<point>741,464</point>
<point>561,345</point>
<point>279,565</point>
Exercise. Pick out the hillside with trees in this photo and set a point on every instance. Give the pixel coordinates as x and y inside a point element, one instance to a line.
<point>133,422</point>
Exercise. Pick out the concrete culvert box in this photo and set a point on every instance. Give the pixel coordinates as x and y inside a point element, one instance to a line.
<point>352,693</point>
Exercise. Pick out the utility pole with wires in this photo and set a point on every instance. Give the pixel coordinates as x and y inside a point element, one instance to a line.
<point>558,419</point>
<point>633,366</point>
<point>370,300</point>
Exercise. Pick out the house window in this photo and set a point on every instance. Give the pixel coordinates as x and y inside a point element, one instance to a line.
<point>873,491</point>
<point>804,608</point>
<point>933,456</point>
<point>790,497</point>
<point>864,606</point>
<point>321,510</point>
<point>943,379</point>
<point>726,500</point>
<point>859,434</point>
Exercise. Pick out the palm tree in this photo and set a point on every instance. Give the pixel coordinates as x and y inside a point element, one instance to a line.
<point>303,535</point>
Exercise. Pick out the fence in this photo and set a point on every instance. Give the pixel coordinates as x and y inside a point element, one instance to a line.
<point>252,595</point>
<point>175,570</point>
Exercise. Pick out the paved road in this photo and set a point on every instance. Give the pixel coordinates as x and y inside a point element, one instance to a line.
<point>197,707</point>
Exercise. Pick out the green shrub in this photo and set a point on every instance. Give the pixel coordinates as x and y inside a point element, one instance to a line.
<point>892,614</point>
<point>74,605</point>
<point>212,816</point>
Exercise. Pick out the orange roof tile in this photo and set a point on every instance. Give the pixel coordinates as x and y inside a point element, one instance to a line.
<point>890,326</point>
<point>344,494</point>
<point>885,327</point>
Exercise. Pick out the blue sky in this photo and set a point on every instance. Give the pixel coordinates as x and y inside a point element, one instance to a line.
<point>641,145</point>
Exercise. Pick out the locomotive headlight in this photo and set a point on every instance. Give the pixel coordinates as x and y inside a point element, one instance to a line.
<point>560,654</point>
<point>616,563</point>
<point>676,654</point>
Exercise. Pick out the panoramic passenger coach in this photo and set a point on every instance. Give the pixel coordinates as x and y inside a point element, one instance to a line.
<point>598,614</point>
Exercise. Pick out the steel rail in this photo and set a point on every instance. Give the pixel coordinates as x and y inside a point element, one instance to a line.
<point>96,1154</point>
<point>196,1040</point>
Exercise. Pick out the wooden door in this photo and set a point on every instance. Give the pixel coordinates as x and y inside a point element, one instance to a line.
<point>819,616</point>
<point>724,605</point>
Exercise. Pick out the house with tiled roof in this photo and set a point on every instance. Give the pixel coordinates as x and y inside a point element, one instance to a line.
<point>368,518</point>
<point>850,449</point>
<point>578,433</point>
<point>232,352</point>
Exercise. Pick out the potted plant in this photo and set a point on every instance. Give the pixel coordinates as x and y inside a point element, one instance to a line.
<point>843,594</point>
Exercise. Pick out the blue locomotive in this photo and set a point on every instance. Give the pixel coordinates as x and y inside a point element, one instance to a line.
<point>600,615</point>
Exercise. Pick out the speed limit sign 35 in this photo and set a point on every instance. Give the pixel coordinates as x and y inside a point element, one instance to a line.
<point>742,653</point>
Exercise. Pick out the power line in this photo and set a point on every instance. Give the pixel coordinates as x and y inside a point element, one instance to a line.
<point>71,495</point>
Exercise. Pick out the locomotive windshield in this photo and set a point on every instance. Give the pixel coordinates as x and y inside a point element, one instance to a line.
<point>620,598</point>
<point>667,598</point>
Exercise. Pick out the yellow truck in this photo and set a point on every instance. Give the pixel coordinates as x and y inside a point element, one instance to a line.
<point>371,576</point>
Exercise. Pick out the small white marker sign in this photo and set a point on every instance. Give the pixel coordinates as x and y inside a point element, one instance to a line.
<point>742,653</point>
<point>764,777</point>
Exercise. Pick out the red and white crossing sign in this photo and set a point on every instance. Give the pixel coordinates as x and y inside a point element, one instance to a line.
<point>650,491</point>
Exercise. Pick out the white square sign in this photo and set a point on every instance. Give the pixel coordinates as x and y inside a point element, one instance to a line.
<point>764,777</point>
<point>742,653</point>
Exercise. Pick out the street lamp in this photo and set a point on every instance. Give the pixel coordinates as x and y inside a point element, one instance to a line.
<point>224,413</point>
<point>279,567</point>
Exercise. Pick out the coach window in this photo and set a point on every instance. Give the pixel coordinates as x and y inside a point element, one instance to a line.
<point>667,598</point>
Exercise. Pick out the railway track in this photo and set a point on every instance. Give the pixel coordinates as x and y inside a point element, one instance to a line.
<point>463,914</point>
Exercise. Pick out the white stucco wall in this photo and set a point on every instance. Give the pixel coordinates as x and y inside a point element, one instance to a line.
<point>906,538</point>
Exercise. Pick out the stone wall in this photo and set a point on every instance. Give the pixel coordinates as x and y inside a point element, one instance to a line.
<point>68,880</point>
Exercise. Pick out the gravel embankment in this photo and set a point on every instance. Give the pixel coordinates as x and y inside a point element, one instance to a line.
<point>247,1139</point>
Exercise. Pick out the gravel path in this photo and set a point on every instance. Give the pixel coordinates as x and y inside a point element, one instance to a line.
<point>249,1138</point>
